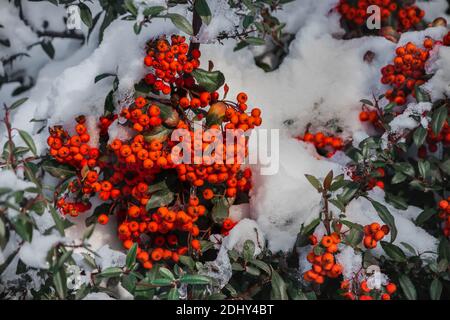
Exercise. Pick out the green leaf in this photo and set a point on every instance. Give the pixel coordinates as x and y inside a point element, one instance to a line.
<point>17,103</point>
<point>314,182</point>
<point>109,106</point>
<point>137,27</point>
<point>394,252</point>
<point>209,80</point>
<point>220,210</point>
<point>23,227</point>
<point>103,76</point>
<point>195,279</point>
<point>48,48</point>
<point>28,141</point>
<point>398,178</point>
<point>424,168</point>
<point>85,14</point>
<point>248,250</point>
<point>421,95</point>
<point>111,272</point>
<point>419,136</point>
<point>131,8</point>
<point>438,119</point>
<point>153,11</point>
<point>58,170</point>
<point>59,224</point>
<point>248,20</point>
<point>166,273</point>
<point>445,166</point>
<point>3,237</point>
<point>88,232</point>
<point>436,289</point>
<point>64,257</point>
<point>254,41</point>
<point>424,216</point>
<point>261,265</point>
<point>367,102</point>
<point>444,249</point>
<point>60,283</point>
<point>188,262</point>
<point>328,179</point>
<point>173,294</point>
<point>386,216</point>
<point>162,282</point>
<point>354,237</point>
<point>160,198</point>
<point>181,23</point>
<point>279,289</point>
<point>131,256</point>
<point>389,107</point>
<point>408,287</point>
<point>405,168</point>
<point>202,9</point>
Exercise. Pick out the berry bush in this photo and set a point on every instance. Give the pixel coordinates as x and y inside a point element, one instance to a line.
<point>151,196</point>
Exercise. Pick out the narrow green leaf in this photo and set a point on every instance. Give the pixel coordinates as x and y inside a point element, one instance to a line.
<point>438,119</point>
<point>85,14</point>
<point>195,279</point>
<point>17,103</point>
<point>28,141</point>
<point>181,23</point>
<point>314,182</point>
<point>279,289</point>
<point>394,252</point>
<point>408,287</point>
<point>419,136</point>
<point>436,289</point>
<point>131,256</point>
<point>202,8</point>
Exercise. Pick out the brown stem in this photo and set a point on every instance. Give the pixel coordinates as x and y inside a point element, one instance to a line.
<point>11,158</point>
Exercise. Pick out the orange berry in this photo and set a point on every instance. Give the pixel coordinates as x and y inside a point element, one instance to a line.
<point>103,219</point>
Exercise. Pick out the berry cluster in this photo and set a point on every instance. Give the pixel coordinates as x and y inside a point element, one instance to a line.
<point>359,290</point>
<point>393,13</point>
<point>322,259</point>
<point>326,145</point>
<point>373,233</point>
<point>409,17</point>
<point>171,64</point>
<point>132,176</point>
<point>432,140</point>
<point>407,71</point>
<point>444,214</point>
<point>356,11</point>
<point>373,177</point>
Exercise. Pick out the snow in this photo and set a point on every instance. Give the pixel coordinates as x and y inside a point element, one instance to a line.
<point>97,296</point>
<point>9,180</point>
<point>406,121</point>
<point>246,229</point>
<point>350,261</point>
<point>34,253</point>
